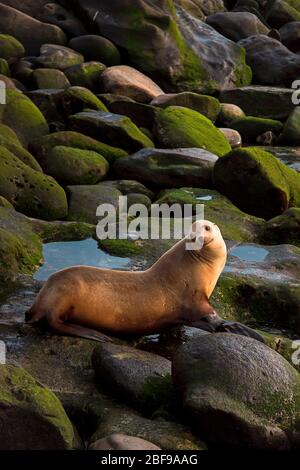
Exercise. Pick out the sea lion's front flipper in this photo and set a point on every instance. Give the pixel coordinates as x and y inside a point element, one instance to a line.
<point>239,329</point>
<point>70,329</point>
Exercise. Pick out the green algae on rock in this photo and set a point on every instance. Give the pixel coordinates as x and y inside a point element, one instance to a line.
<point>42,147</point>
<point>24,400</point>
<point>252,127</point>
<point>179,127</point>
<point>75,166</point>
<point>10,47</point>
<point>291,131</point>
<point>257,182</point>
<point>30,191</point>
<point>284,228</point>
<point>20,152</point>
<point>86,75</point>
<point>24,118</point>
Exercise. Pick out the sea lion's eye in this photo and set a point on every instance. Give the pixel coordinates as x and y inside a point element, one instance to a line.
<point>207,228</point>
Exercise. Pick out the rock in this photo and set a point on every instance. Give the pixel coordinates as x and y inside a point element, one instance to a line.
<point>257,182</point>
<point>290,35</point>
<point>280,12</point>
<point>110,128</point>
<point>169,168</point>
<point>84,200</point>
<point>30,191</point>
<point>251,127</point>
<point>4,68</point>
<point>8,133</point>
<point>20,152</point>
<point>8,83</point>
<point>23,117</point>
<point>86,75</point>
<point>29,31</point>
<point>71,166</point>
<point>230,112</point>
<point>237,25</point>
<point>256,397</point>
<point>20,247</point>
<point>178,45</point>
<point>118,441</point>
<point>261,101</point>
<point>206,105</point>
<point>178,127</point>
<point>23,399</point>
<point>143,115</point>
<point>58,57</point>
<point>127,81</point>
<point>97,48</point>
<point>199,9</point>
<point>234,224</point>
<point>271,62</point>
<point>138,377</point>
<point>10,48</point>
<point>291,131</point>
<point>48,102</point>
<point>130,187</point>
<point>284,228</point>
<point>50,78</point>
<point>5,203</point>
<point>22,71</point>
<point>165,434</point>
<point>75,99</point>
<point>42,147</point>
<point>233,136</point>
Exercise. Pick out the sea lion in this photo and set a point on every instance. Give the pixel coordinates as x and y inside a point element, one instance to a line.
<point>89,302</point>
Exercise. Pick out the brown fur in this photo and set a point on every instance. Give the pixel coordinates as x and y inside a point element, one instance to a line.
<point>87,301</point>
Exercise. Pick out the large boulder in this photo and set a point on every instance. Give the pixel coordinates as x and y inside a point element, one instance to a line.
<point>10,48</point>
<point>281,12</point>
<point>237,25</point>
<point>30,191</point>
<point>271,62</point>
<point>110,128</point>
<point>31,32</point>
<point>251,127</point>
<point>127,81</point>
<point>23,117</point>
<point>58,57</point>
<point>86,75</point>
<point>290,35</point>
<point>96,48</point>
<point>169,44</point>
<point>257,182</point>
<point>237,392</point>
<point>169,168</point>
<point>284,228</point>
<point>291,131</point>
<point>32,417</point>
<point>179,127</point>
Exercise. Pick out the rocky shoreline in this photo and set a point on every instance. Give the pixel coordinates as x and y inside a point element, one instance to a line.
<point>166,102</point>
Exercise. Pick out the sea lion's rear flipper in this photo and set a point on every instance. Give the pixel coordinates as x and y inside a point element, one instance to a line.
<point>239,329</point>
<point>70,329</point>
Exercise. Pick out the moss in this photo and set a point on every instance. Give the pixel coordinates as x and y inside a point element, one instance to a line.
<point>30,191</point>
<point>5,203</point>
<point>122,248</point>
<point>9,134</point>
<point>158,396</point>
<point>178,127</point>
<point>47,79</point>
<point>10,47</point>
<point>282,345</point>
<point>291,130</point>
<point>284,228</point>
<point>18,388</point>
<point>86,75</point>
<point>4,68</point>
<point>83,98</point>
<point>63,231</point>
<point>251,127</point>
<point>23,117</point>
<point>42,147</point>
<point>257,182</point>
<point>242,72</point>
<point>71,166</point>
<point>20,153</point>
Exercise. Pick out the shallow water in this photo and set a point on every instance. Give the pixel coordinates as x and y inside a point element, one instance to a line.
<point>60,255</point>
<point>250,253</point>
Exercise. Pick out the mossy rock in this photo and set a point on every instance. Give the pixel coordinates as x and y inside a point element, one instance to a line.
<point>8,133</point>
<point>20,246</point>
<point>30,191</point>
<point>58,57</point>
<point>230,112</point>
<point>42,147</point>
<point>24,400</point>
<point>252,127</point>
<point>4,68</point>
<point>49,78</point>
<point>257,182</point>
<point>243,384</point>
<point>86,75</point>
<point>20,152</point>
<point>10,47</point>
<point>209,106</point>
<point>21,114</point>
<point>291,131</point>
<point>121,248</point>
<point>110,128</point>
<point>95,47</point>
<point>283,345</point>
<point>5,203</point>
<point>284,228</point>
<point>75,166</point>
<point>76,99</point>
<point>178,127</point>
<point>233,223</point>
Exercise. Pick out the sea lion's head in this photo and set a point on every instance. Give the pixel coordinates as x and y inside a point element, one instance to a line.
<point>206,235</point>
